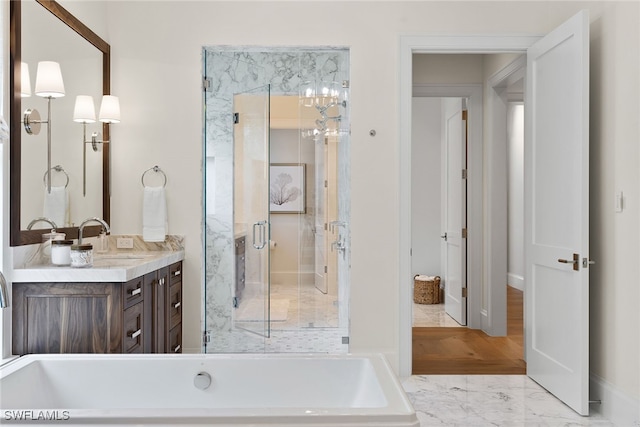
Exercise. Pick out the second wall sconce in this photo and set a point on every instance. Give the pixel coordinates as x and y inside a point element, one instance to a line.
<point>84,112</point>
<point>49,85</point>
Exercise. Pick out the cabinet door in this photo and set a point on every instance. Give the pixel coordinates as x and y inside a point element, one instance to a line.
<point>161,320</point>
<point>156,290</point>
<point>66,318</point>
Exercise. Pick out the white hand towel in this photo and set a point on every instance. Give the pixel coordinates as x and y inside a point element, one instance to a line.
<point>56,205</point>
<point>154,214</point>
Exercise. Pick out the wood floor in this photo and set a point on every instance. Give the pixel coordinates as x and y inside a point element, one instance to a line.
<point>463,351</point>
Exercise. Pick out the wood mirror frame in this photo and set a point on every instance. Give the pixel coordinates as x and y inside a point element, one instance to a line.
<point>17,235</point>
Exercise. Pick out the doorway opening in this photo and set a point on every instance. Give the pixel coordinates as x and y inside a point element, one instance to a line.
<point>434,327</point>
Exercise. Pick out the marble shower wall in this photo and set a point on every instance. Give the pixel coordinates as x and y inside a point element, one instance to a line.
<point>237,69</point>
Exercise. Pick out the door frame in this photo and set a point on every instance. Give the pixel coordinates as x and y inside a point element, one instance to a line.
<point>494,319</point>
<point>479,43</point>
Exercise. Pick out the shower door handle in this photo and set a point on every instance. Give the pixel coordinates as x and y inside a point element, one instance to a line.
<point>263,234</point>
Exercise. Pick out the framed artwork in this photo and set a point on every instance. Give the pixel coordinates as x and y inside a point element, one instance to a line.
<point>287,188</point>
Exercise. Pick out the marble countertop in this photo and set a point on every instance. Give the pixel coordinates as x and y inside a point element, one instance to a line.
<point>120,266</point>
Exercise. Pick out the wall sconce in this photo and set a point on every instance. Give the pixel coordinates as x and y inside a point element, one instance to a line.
<point>84,112</point>
<point>49,85</point>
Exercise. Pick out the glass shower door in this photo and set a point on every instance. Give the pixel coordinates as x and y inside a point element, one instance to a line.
<point>251,210</point>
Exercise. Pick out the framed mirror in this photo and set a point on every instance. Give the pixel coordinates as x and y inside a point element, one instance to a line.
<point>42,30</point>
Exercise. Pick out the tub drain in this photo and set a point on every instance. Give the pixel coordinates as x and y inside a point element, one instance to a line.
<point>202,380</point>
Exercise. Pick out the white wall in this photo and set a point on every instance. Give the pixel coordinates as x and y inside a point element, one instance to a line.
<point>425,186</point>
<point>156,69</point>
<point>294,251</point>
<point>515,195</point>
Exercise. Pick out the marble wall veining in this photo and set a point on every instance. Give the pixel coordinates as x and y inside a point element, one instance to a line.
<point>231,70</point>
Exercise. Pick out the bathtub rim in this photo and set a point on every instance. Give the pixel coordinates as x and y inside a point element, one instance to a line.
<point>398,412</point>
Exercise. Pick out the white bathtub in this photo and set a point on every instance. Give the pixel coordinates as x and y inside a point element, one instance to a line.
<point>245,390</point>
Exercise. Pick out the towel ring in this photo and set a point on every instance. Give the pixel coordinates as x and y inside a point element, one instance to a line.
<point>157,170</point>
<point>56,168</point>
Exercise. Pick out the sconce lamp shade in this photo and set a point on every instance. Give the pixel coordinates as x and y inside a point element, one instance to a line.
<point>49,82</point>
<point>84,110</point>
<point>25,80</point>
<point>110,109</point>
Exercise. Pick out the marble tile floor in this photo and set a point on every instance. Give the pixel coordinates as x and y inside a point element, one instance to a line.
<point>310,340</point>
<point>308,307</point>
<point>489,400</point>
<point>432,315</point>
<point>311,325</point>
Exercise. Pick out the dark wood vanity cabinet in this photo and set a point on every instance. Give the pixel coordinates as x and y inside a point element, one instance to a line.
<point>143,315</point>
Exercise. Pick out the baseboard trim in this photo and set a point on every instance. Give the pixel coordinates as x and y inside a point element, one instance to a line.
<point>616,406</point>
<point>515,281</point>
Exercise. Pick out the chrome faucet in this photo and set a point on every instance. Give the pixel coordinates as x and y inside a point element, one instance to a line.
<point>42,219</point>
<point>4,292</point>
<point>102,222</point>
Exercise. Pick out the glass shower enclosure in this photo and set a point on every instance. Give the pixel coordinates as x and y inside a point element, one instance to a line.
<point>276,199</point>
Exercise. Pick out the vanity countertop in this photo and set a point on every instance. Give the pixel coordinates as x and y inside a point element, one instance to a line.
<point>120,266</point>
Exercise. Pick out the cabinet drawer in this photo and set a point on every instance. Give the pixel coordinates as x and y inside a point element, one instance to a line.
<point>175,273</point>
<point>133,292</point>
<point>175,340</point>
<point>175,305</point>
<point>132,329</point>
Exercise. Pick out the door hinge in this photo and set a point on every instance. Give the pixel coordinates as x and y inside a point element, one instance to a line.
<point>236,118</point>
<point>464,233</point>
<point>464,292</point>
<point>206,337</point>
<point>206,84</point>
<point>465,114</point>
<point>326,270</point>
<point>234,301</point>
<point>464,174</point>
<point>326,184</point>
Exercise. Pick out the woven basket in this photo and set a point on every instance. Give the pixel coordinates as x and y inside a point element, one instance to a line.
<point>426,291</point>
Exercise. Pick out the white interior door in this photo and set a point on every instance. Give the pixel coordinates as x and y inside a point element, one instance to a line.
<point>454,215</point>
<point>557,212</point>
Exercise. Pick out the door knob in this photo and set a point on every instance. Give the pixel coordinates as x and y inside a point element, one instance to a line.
<point>444,237</point>
<point>575,261</point>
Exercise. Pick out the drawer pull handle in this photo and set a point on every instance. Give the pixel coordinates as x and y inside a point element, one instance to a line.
<point>135,334</point>
<point>176,273</point>
<point>135,291</point>
<point>176,305</point>
<point>176,349</point>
